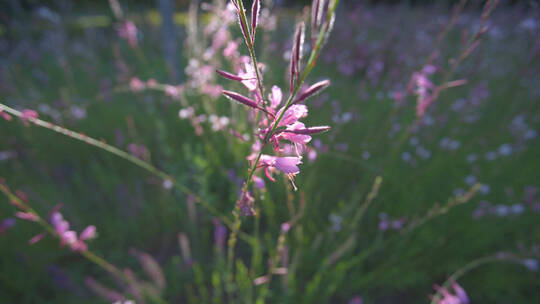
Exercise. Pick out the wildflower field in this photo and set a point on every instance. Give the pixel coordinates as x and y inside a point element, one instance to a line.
<point>260,152</point>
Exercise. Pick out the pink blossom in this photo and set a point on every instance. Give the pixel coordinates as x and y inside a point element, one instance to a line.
<point>292,115</point>
<point>69,237</point>
<point>5,115</point>
<point>249,74</point>
<point>60,225</point>
<point>211,90</point>
<point>460,296</point>
<point>28,115</point>
<point>299,140</point>
<point>128,31</point>
<point>88,233</point>
<point>152,83</point>
<point>288,165</point>
<point>220,38</point>
<point>460,293</point>
<point>231,50</point>
<point>275,97</point>
<point>136,85</point>
<point>173,91</point>
<point>37,238</point>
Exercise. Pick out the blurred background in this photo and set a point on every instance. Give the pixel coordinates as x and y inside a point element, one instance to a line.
<point>93,66</point>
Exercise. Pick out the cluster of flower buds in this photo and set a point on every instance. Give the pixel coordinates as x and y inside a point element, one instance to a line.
<point>278,119</point>
<point>69,237</point>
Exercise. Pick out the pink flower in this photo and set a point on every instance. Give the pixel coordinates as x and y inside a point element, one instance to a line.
<point>37,238</point>
<point>28,115</point>
<point>88,233</point>
<point>249,74</point>
<point>292,115</point>
<point>136,85</point>
<point>60,225</point>
<point>69,237</point>
<point>173,91</point>
<point>460,293</point>
<point>5,115</point>
<point>299,140</point>
<point>460,296</point>
<point>211,90</point>
<point>220,38</point>
<point>231,50</point>
<point>275,97</point>
<point>152,83</point>
<point>128,31</point>
<point>288,165</point>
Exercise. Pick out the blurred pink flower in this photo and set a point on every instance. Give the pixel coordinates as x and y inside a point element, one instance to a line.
<point>88,233</point>
<point>5,115</point>
<point>27,115</point>
<point>37,238</point>
<point>128,31</point>
<point>136,85</point>
<point>460,296</point>
<point>231,50</point>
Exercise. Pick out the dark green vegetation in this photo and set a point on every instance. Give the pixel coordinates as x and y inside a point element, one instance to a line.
<point>328,262</point>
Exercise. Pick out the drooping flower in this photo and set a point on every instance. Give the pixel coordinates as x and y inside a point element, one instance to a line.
<point>287,165</point>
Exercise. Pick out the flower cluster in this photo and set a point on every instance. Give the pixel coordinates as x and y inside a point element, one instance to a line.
<point>277,119</point>
<point>69,237</point>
